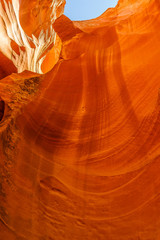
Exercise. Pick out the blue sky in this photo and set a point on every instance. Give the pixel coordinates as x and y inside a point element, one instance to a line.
<point>87,9</point>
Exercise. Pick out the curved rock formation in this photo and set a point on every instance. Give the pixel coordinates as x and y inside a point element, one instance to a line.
<point>79,145</point>
<point>27,38</point>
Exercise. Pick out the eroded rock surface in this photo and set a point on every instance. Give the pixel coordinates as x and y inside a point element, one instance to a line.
<point>27,34</point>
<point>79,145</point>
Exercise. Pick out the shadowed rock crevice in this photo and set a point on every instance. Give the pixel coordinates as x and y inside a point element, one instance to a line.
<point>2,108</point>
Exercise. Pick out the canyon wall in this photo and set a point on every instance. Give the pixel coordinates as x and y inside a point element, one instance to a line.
<point>80,143</point>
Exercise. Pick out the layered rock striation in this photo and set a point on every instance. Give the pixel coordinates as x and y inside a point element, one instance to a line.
<point>28,35</point>
<point>80,144</point>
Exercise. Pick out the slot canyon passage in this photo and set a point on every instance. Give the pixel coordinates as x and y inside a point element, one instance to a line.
<point>79,122</point>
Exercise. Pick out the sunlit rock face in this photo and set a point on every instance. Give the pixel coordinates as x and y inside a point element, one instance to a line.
<point>27,33</point>
<point>80,145</point>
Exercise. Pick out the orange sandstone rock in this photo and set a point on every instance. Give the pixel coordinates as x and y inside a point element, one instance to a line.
<point>79,145</point>
<point>6,66</point>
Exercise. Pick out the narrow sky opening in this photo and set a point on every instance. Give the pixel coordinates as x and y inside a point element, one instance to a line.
<point>87,9</point>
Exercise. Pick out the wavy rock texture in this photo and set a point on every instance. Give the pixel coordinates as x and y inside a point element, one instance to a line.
<point>28,49</point>
<point>80,145</point>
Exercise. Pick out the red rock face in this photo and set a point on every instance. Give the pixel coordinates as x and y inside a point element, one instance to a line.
<point>79,145</point>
